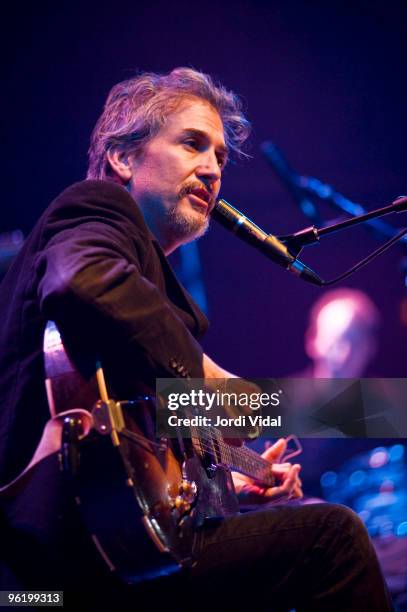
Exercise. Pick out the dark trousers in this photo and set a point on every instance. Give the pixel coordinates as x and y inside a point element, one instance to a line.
<point>315,557</point>
<point>309,557</point>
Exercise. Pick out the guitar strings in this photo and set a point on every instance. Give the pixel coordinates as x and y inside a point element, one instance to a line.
<point>243,460</point>
<point>145,442</point>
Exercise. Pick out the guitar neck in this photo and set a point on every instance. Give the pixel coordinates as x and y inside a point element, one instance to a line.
<point>237,458</point>
<point>248,462</point>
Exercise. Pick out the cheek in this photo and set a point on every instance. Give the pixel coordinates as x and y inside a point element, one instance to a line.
<point>168,174</point>
<point>148,178</point>
<point>161,174</point>
<point>171,163</point>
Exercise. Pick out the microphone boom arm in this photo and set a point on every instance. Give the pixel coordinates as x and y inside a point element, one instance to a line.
<point>284,250</point>
<point>310,235</point>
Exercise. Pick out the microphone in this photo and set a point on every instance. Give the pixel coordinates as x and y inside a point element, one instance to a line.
<point>236,222</point>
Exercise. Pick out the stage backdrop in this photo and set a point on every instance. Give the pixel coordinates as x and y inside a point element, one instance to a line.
<point>325,81</point>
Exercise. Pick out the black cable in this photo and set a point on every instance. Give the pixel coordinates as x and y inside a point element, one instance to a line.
<point>367,259</point>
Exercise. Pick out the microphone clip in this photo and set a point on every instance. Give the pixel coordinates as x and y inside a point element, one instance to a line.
<point>297,241</point>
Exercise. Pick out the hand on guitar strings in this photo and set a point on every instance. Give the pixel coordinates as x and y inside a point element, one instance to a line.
<point>288,487</point>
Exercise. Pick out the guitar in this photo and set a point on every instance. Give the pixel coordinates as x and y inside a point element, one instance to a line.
<point>142,498</point>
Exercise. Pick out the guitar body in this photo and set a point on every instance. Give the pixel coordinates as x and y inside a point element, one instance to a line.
<point>142,499</point>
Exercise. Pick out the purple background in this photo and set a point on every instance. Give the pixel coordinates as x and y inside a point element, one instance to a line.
<point>326,82</point>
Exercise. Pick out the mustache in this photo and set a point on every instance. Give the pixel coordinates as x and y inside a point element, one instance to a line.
<point>192,186</point>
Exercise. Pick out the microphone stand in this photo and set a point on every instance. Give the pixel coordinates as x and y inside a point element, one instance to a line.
<point>305,188</point>
<point>323,191</point>
<point>310,235</point>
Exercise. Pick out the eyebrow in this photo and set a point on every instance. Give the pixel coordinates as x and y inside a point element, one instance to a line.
<point>194,132</point>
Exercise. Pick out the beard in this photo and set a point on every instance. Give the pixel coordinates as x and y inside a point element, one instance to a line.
<point>185,226</point>
<point>185,223</point>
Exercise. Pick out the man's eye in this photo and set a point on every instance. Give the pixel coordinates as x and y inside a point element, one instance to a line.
<point>191,142</point>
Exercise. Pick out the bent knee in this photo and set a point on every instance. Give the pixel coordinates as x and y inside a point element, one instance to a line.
<point>345,521</point>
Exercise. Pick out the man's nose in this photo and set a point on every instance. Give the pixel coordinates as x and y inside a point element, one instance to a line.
<point>209,168</point>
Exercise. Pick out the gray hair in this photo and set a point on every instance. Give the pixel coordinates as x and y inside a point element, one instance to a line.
<point>137,108</point>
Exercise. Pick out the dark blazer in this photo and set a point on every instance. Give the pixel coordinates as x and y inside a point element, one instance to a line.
<point>91,265</point>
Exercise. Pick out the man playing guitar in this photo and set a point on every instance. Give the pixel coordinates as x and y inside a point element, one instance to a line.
<point>96,265</point>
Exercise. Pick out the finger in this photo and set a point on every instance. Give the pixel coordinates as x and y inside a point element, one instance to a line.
<point>250,493</point>
<point>274,494</point>
<point>274,452</point>
<point>286,488</point>
<point>281,471</point>
<point>297,490</point>
<point>292,480</point>
<point>281,468</point>
<point>298,493</point>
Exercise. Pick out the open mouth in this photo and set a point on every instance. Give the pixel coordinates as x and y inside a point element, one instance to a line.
<point>200,197</point>
<point>198,201</point>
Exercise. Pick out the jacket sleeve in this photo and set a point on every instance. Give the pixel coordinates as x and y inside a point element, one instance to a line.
<point>91,284</point>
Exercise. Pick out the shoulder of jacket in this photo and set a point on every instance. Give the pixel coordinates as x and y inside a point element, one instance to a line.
<point>99,198</point>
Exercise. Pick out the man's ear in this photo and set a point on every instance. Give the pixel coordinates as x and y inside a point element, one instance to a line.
<point>120,164</point>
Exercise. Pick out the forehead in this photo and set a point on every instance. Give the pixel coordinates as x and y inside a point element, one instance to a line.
<point>194,114</point>
<point>336,317</point>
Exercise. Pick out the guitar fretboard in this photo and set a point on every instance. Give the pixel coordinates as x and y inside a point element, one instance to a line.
<point>209,441</point>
